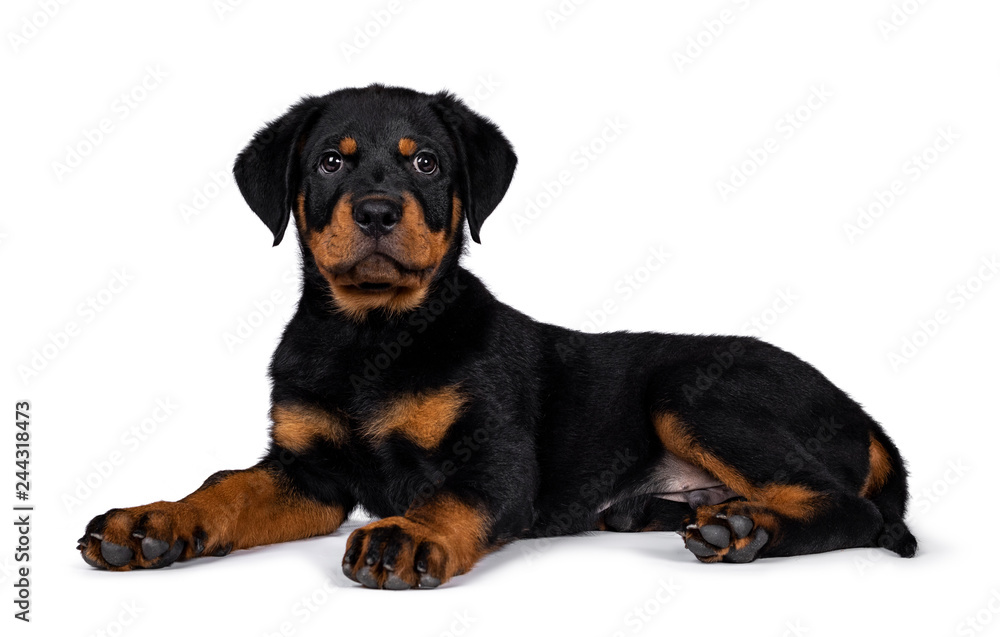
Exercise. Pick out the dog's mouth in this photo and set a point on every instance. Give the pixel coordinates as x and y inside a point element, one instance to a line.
<point>378,273</point>
<point>373,287</point>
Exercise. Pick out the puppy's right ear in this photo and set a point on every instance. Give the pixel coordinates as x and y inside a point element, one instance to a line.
<point>266,170</point>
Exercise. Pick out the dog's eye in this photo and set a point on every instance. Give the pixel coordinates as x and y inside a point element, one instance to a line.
<point>425,162</point>
<point>331,162</point>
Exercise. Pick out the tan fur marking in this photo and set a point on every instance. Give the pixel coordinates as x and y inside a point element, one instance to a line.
<point>337,238</point>
<point>762,514</point>
<point>460,527</point>
<point>456,213</point>
<point>265,511</point>
<point>300,212</point>
<point>423,418</point>
<point>357,303</point>
<point>415,246</point>
<point>348,146</point>
<point>241,510</point>
<point>675,437</point>
<point>791,501</point>
<point>879,468</point>
<point>407,146</point>
<point>297,426</point>
<point>418,242</point>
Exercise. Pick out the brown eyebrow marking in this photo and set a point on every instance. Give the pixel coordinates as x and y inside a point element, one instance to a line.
<point>348,146</point>
<point>407,146</point>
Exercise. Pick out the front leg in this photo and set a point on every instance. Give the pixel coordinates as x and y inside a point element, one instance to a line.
<point>425,547</point>
<point>231,510</point>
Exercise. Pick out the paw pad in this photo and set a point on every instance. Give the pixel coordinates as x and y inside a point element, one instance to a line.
<point>726,538</point>
<point>143,537</point>
<point>394,554</point>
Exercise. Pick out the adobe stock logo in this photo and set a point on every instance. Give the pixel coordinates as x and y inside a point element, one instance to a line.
<point>643,613</point>
<point>366,33</point>
<point>34,23</point>
<point>957,299</point>
<point>88,311</point>
<point>913,170</point>
<point>898,18</point>
<point>122,107</point>
<point>560,14</point>
<point>580,160</point>
<point>975,623</point>
<point>264,307</point>
<point>129,443</point>
<point>712,29</point>
<point>787,126</point>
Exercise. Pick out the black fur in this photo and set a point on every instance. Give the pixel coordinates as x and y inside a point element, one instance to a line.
<point>557,435</point>
<point>555,409</point>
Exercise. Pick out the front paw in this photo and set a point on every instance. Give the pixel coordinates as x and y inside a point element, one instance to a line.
<point>151,536</point>
<point>397,553</point>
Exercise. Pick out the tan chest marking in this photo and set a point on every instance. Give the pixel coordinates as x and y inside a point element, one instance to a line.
<point>423,418</point>
<point>297,427</point>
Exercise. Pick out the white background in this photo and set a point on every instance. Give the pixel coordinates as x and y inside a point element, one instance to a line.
<point>551,86</point>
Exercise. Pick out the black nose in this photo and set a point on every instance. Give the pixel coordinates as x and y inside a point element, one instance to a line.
<point>377,217</point>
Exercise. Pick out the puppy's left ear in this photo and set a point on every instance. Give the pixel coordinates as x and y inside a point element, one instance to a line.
<point>266,170</point>
<point>486,158</point>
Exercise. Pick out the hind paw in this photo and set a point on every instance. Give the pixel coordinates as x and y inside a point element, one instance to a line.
<point>725,538</point>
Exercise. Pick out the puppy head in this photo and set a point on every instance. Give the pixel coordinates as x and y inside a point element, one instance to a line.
<point>379,180</point>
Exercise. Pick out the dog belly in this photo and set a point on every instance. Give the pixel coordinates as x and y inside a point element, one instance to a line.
<point>679,481</point>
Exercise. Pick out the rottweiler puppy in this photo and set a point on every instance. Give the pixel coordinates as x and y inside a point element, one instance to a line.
<point>401,385</point>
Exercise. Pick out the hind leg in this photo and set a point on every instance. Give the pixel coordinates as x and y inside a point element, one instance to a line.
<point>781,511</point>
<point>886,487</point>
<point>742,531</point>
<point>644,513</point>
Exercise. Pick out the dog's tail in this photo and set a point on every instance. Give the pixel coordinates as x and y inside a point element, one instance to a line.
<point>886,486</point>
